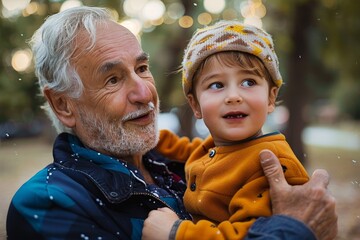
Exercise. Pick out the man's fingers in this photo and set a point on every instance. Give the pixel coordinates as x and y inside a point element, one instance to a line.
<point>165,209</point>
<point>320,177</point>
<point>272,169</point>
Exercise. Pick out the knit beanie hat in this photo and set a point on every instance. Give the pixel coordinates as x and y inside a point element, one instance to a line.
<point>229,36</point>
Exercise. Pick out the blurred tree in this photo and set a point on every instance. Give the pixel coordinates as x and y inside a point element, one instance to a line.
<point>299,61</point>
<point>309,58</point>
<point>17,89</point>
<point>341,25</point>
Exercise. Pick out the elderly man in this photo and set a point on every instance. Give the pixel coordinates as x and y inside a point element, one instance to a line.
<point>105,177</point>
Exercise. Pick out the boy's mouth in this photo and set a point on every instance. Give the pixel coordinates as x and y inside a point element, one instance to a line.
<point>232,115</point>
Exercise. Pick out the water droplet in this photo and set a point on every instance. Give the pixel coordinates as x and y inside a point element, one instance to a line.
<point>326,38</point>
<point>20,79</point>
<point>354,161</point>
<point>195,4</point>
<point>338,157</point>
<point>7,135</point>
<point>36,216</point>
<point>99,154</point>
<point>21,34</point>
<point>300,56</point>
<point>51,198</point>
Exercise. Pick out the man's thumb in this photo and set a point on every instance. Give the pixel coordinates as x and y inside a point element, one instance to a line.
<point>272,168</point>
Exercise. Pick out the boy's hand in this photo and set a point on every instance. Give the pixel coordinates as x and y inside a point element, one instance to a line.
<point>158,224</point>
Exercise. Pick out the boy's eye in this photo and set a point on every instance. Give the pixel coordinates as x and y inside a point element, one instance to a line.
<point>216,85</point>
<point>248,83</point>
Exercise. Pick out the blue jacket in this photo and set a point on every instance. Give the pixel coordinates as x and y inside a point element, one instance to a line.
<point>84,194</point>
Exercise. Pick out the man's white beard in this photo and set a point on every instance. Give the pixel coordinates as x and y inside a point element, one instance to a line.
<point>110,136</point>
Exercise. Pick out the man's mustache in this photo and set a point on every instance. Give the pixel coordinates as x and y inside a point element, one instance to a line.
<point>140,112</point>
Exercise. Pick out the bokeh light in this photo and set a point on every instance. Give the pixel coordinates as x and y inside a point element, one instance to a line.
<point>153,10</point>
<point>253,11</point>
<point>229,14</point>
<point>175,10</point>
<point>13,5</point>
<point>145,10</point>
<point>204,18</point>
<point>132,7</point>
<point>21,60</point>
<point>31,8</point>
<point>134,25</point>
<point>70,4</point>
<point>186,22</point>
<point>214,6</point>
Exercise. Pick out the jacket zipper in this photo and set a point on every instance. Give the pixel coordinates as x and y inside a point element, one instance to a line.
<point>153,196</point>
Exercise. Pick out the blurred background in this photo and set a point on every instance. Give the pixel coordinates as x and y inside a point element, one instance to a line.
<point>317,42</point>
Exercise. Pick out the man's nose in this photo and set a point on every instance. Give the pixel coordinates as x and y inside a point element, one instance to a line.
<point>139,90</point>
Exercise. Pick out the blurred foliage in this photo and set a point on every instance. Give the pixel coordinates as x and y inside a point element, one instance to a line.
<point>331,67</point>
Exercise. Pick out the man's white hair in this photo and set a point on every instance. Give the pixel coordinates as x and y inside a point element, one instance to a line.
<point>53,45</point>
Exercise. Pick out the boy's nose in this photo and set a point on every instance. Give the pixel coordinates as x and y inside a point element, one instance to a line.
<point>233,98</point>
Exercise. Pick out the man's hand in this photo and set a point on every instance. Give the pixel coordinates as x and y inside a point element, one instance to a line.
<point>158,224</point>
<point>310,203</point>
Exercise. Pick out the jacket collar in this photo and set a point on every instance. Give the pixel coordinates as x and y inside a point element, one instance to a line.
<point>103,171</point>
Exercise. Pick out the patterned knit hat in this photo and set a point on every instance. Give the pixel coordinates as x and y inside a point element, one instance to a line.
<point>229,36</point>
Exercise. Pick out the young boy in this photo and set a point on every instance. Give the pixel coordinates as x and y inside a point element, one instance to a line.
<point>231,79</point>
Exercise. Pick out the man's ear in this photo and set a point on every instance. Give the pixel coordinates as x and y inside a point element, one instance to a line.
<point>272,99</point>
<point>62,107</point>
<point>194,105</point>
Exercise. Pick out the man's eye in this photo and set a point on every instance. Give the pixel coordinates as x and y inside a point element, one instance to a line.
<point>113,80</point>
<point>248,83</point>
<point>143,68</point>
<point>216,85</point>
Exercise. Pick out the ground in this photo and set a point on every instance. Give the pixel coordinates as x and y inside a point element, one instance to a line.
<point>21,158</point>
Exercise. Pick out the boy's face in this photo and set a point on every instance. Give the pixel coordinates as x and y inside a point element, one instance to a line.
<point>234,102</point>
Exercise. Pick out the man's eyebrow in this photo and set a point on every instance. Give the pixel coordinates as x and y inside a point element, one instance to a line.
<point>106,67</point>
<point>142,57</point>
